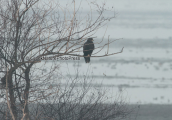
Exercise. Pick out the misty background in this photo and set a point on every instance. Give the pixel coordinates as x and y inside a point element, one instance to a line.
<point>142,72</point>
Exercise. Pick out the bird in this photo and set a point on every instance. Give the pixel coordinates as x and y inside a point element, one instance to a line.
<point>88,49</point>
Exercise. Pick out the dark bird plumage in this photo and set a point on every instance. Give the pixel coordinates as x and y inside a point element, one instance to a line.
<point>88,49</point>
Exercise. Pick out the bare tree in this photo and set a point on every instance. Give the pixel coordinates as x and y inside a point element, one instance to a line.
<point>31,30</point>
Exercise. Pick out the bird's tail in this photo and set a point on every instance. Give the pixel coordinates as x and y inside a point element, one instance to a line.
<point>87,59</point>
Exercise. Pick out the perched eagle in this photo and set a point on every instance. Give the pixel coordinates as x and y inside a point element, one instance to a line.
<point>88,49</point>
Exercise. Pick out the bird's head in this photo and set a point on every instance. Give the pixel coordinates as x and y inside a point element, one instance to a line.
<point>90,40</point>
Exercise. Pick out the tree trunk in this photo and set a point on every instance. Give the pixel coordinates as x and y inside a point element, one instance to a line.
<point>26,93</point>
<point>11,93</point>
